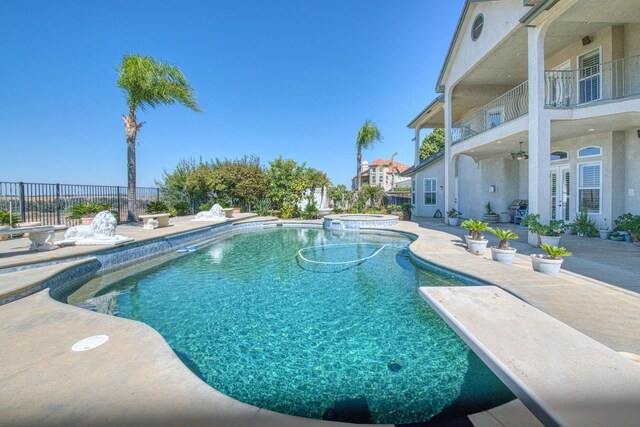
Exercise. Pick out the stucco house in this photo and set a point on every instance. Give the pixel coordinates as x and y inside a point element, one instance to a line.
<point>540,100</point>
<point>383,174</point>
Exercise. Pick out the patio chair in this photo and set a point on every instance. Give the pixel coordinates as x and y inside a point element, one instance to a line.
<point>520,214</point>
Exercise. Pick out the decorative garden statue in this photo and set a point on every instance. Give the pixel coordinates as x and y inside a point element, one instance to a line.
<point>101,231</point>
<point>214,214</point>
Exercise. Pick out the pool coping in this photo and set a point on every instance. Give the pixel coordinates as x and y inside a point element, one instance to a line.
<point>417,249</point>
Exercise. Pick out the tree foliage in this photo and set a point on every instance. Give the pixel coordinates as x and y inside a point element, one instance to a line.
<point>432,143</point>
<point>367,136</point>
<point>147,83</point>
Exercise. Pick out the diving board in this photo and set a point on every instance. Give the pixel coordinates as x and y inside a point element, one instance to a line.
<point>564,377</point>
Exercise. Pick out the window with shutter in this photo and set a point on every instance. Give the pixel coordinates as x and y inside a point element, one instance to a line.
<point>430,185</point>
<point>589,187</point>
<point>589,77</point>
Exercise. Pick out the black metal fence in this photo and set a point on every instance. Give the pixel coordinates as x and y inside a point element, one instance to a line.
<point>50,203</point>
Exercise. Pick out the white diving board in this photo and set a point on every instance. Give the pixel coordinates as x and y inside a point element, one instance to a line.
<point>564,377</point>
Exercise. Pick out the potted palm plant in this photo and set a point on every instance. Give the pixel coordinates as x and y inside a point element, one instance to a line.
<point>453,216</point>
<point>550,263</point>
<point>86,211</point>
<point>490,216</point>
<point>532,222</point>
<point>550,234</point>
<point>503,253</point>
<point>475,241</point>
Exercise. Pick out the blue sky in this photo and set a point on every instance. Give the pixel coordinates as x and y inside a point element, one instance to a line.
<point>295,78</point>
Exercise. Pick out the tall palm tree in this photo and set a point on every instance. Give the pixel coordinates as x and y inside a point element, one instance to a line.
<point>367,136</point>
<point>147,83</point>
<point>393,168</point>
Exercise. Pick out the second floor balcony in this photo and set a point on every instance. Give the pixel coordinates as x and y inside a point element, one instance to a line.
<point>604,82</point>
<point>503,109</point>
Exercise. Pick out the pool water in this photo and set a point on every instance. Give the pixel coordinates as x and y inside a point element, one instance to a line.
<point>323,335</point>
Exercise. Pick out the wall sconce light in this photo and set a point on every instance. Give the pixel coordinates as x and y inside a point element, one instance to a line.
<point>638,133</point>
<point>442,186</point>
<point>586,40</point>
<point>492,189</point>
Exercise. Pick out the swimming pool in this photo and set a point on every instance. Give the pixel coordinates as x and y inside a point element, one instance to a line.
<point>339,332</point>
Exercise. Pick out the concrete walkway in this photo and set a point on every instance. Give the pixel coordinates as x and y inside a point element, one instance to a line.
<point>615,263</point>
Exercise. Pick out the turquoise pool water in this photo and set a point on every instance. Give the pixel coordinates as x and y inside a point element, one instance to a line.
<point>292,334</point>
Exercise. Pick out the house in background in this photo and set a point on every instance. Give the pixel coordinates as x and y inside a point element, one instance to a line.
<point>540,101</point>
<point>382,174</point>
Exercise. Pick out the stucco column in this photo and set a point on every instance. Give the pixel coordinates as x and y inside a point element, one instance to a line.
<point>449,167</point>
<point>417,146</point>
<point>539,129</point>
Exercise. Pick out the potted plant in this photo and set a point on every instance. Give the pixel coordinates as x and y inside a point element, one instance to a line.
<point>634,230</point>
<point>622,226</point>
<point>406,211</point>
<point>550,263</point>
<point>475,241</point>
<point>618,236</point>
<point>86,211</point>
<point>604,231</point>
<point>453,216</point>
<point>550,234</point>
<point>490,216</point>
<point>503,252</point>
<point>532,222</point>
<point>584,226</point>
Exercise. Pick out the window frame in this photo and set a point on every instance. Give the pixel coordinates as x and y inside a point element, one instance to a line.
<point>434,192</point>
<point>559,160</point>
<point>478,17</point>
<point>580,165</point>
<point>578,79</point>
<point>589,155</point>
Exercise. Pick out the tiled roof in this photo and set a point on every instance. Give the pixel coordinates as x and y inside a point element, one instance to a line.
<point>381,162</point>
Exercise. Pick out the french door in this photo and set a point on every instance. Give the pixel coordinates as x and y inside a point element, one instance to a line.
<point>560,193</point>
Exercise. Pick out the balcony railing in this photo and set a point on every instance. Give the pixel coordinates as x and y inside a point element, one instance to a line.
<point>601,82</point>
<point>503,109</point>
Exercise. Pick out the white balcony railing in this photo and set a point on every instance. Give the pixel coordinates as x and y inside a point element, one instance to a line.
<point>503,109</point>
<point>601,82</point>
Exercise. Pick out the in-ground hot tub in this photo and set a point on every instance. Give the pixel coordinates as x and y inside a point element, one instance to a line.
<point>357,221</point>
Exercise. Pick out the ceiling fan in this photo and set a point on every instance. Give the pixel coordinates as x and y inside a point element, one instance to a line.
<point>520,155</point>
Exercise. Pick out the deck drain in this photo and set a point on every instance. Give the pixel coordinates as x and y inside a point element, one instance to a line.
<point>90,343</point>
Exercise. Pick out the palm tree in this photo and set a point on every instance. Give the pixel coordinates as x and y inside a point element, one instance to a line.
<point>147,83</point>
<point>392,168</point>
<point>367,136</point>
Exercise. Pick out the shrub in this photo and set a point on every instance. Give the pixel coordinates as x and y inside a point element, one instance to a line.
<point>624,222</point>
<point>532,222</point>
<point>310,211</point>
<point>288,211</point>
<point>88,209</point>
<point>181,208</point>
<point>263,206</point>
<point>205,207</point>
<point>554,229</point>
<point>585,226</point>
<point>337,210</point>
<point>157,207</point>
<point>7,219</point>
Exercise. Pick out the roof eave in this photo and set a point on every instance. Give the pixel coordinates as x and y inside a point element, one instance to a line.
<point>423,164</point>
<point>433,104</point>
<point>536,10</point>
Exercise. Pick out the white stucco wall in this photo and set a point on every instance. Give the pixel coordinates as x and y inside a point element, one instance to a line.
<point>631,189</point>
<point>475,180</point>
<point>500,19</point>
<point>434,170</point>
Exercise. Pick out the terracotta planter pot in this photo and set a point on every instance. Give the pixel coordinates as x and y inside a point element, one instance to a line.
<point>548,266</point>
<point>86,220</point>
<point>477,247</point>
<point>503,256</point>
<point>550,240</point>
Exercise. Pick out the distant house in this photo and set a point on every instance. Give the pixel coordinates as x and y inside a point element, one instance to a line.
<point>382,174</point>
<point>540,101</point>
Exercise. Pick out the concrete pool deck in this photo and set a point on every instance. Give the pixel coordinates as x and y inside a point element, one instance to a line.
<point>136,376</point>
